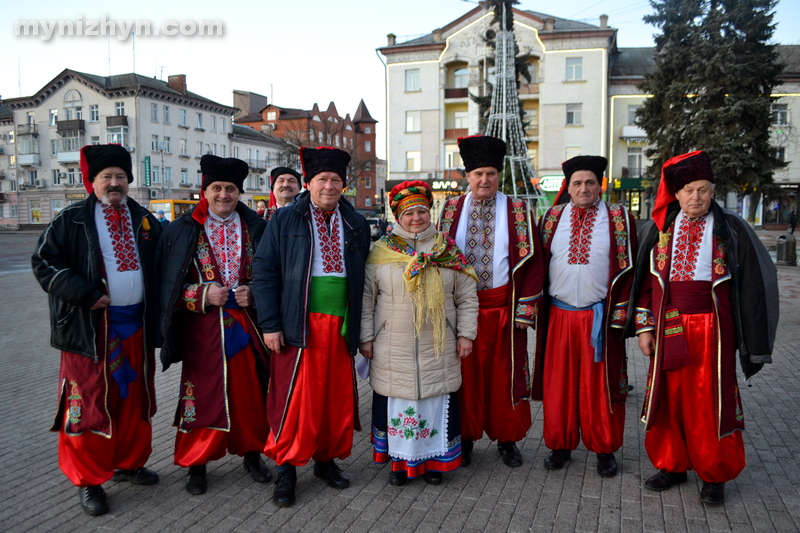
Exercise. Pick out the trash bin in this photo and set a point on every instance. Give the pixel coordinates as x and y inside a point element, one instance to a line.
<point>787,250</point>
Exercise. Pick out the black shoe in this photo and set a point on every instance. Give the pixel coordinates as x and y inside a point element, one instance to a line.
<point>664,480</point>
<point>196,484</point>
<point>556,458</point>
<point>433,478</point>
<point>712,493</point>
<point>258,470</point>
<point>332,474</point>
<point>398,479</point>
<point>140,476</point>
<point>283,496</point>
<point>466,452</point>
<point>93,500</point>
<point>606,465</point>
<point>510,453</point>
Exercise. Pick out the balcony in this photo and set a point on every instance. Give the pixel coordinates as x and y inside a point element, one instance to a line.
<point>2,173</point>
<point>633,134</point>
<point>70,125</point>
<point>69,157</point>
<point>28,160</point>
<point>528,88</point>
<point>456,93</point>
<point>532,131</point>
<point>117,120</point>
<point>26,129</point>
<point>256,165</point>
<point>633,172</point>
<point>455,133</point>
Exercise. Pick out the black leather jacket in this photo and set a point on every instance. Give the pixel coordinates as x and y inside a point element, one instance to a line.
<point>67,263</point>
<point>175,252</point>
<point>282,271</point>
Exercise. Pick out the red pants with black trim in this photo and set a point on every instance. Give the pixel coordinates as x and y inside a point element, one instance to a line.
<point>91,458</point>
<point>684,433</point>
<point>485,397</point>
<point>319,417</point>
<point>575,396</point>
<point>247,409</point>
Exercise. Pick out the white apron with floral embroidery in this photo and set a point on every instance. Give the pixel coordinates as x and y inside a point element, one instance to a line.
<point>417,430</point>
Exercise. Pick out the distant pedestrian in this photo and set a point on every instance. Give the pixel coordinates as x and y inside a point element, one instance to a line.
<point>792,221</point>
<point>96,260</point>
<point>261,208</point>
<point>705,286</point>
<point>161,218</point>
<point>284,184</point>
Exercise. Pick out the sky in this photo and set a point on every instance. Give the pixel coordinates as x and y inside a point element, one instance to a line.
<point>296,53</point>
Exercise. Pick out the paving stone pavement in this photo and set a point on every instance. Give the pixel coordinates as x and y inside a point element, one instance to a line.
<point>487,496</point>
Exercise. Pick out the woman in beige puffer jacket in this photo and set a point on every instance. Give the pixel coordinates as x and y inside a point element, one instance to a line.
<point>415,365</point>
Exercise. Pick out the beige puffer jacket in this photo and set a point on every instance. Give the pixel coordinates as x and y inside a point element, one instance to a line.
<point>404,365</point>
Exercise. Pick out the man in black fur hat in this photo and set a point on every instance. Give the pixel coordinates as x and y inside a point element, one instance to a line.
<point>96,260</point>
<point>284,182</point>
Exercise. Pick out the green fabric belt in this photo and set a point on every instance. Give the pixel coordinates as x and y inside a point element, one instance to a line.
<point>329,297</point>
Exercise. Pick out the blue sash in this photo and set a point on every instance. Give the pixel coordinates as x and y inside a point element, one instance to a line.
<point>123,322</point>
<point>597,323</point>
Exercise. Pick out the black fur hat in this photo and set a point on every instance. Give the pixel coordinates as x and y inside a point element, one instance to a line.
<point>479,151</point>
<point>228,169</point>
<point>593,163</point>
<point>323,159</point>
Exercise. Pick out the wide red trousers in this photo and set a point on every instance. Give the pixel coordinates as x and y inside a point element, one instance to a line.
<point>576,402</point>
<point>485,397</point>
<point>684,433</point>
<point>319,417</point>
<point>90,458</point>
<point>247,409</point>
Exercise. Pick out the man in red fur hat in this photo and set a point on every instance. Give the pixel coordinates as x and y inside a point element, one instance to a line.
<point>589,246</point>
<point>699,267</point>
<point>96,260</point>
<point>499,238</point>
<point>209,323</point>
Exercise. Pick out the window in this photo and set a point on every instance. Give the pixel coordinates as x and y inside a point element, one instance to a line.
<point>119,108</point>
<point>31,118</point>
<point>55,177</point>
<point>94,113</point>
<point>182,118</point>
<point>184,176</point>
<point>167,175</point>
<point>224,127</point>
<point>118,135</point>
<point>412,121</point>
<point>12,162</point>
<point>13,184</point>
<point>367,129</point>
<point>156,174</point>
<point>367,146</point>
<point>213,123</point>
<point>320,137</point>
<point>53,117</point>
<point>154,143</point>
<point>71,141</point>
<point>573,114</point>
<point>71,178</point>
<point>780,114</point>
<point>199,121</point>
<point>153,112</point>
<point>14,213</point>
<point>94,140</point>
<point>67,113</point>
<point>367,183</point>
<point>635,161</point>
<point>184,147</point>
<point>412,80</point>
<point>223,147</point>
<point>236,152</point>
<point>779,153</point>
<point>453,157</point>
<point>413,161</point>
<point>33,175</point>
<point>632,114</point>
<point>167,145</point>
<point>336,140</point>
<point>53,147</point>
<point>272,115</point>
<point>199,148</point>
<point>460,78</point>
<point>165,114</point>
<point>213,149</point>
<point>328,139</point>
<point>199,178</point>
<point>461,119</point>
<point>79,113</point>
<point>11,137</point>
<point>367,202</point>
<point>574,68</point>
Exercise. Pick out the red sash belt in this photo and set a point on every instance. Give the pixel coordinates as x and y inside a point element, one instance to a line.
<point>493,298</point>
<point>691,297</point>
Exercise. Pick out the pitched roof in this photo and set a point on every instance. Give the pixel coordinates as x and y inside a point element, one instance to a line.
<point>362,114</point>
<point>6,113</point>
<point>245,131</point>
<point>632,62</point>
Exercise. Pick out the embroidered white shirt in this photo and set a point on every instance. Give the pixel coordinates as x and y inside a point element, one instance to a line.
<point>500,255</point>
<point>120,257</point>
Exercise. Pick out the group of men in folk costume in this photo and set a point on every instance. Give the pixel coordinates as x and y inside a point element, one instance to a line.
<point>249,306</point>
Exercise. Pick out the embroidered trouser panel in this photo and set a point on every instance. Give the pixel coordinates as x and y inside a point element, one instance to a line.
<point>447,462</point>
<point>575,396</point>
<point>91,458</point>
<point>485,394</point>
<point>684,432</point>
<point>319,416</point>
<point>248,419</point>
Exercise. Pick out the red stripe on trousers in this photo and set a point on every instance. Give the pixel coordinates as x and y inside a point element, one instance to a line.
<point>684,432</point>
<point>90,459</point>
<point>575,402</point>
<point>247,408</point>
<point>319,419</point>
<point>485,394</point>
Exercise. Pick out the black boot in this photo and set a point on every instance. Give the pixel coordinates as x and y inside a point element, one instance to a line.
<point>196,484</point>
<point>93,500</point>
<point>712,493</point>
<point>332,474</point>
<point>556,459</point>
<point>606,465</point>
<point>258,470</point>
<point>510,453</point>
<point>466,452</point>
<point>664,480</point>
<point>283,496</point>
